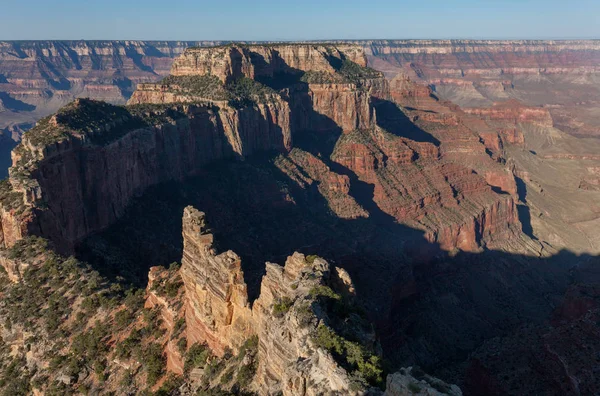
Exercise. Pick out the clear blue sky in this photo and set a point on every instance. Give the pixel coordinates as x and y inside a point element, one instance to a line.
<point>296,20</point>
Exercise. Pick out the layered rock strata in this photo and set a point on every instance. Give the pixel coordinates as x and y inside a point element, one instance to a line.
<point>77,178</point>
<point>286,316</point>
<point>80,183</point>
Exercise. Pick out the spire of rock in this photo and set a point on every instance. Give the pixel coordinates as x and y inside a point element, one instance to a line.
<point>217,310</point>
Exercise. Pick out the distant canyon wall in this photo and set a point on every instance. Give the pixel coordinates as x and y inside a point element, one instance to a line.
<point>76,185</point>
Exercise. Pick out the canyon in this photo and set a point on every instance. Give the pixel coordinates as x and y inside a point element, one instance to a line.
<point>432,214</point>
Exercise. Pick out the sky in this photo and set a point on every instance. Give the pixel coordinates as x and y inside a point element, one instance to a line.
<point>297,20</point>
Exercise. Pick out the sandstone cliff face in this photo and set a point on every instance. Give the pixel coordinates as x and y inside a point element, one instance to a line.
<point>217,308</point>
<point>453,205</point>
<point>234,61</point>
<point>344,104</point>
<point>316,106</point>
<point>86,186</point>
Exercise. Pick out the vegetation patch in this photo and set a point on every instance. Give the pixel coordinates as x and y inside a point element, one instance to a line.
<point>354,72</point>
<point>99,122</point>
<point>9,198</point>
<point>351,355</point>
<point>207,86</point>
<point>348,72</point>
<point>282,306</point>
<point>244,92</point>
<point>196,357</point>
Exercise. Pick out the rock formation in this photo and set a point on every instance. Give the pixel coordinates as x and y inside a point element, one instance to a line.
<point>405,383</point>
<point>217,310</point>
<point>231,62</point>
<point>287,317</point>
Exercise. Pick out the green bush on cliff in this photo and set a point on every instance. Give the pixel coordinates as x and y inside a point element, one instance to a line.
<point>154,362</point>
<point>321,77</point>
<point>98,122</point>
<point>246,374</point>
<point>324,291</point>
<point>196,356</point>
<point>9,198</point>
<point>350,355</point>
<point>282,306</point>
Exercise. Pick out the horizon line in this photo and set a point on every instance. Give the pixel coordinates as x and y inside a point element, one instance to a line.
<point>325,40</point>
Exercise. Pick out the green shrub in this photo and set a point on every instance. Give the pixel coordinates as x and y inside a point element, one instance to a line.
<point>310,259</point>
<point>171,289</point>
<point>196,356</point>
<point>134,299</point>
<point>324,291</point>
<point>282,306</point>
<point>178,328</point>
<point>170,386</point>
<point>207,86</point>
<point>123,318</point>
<point>227,376</point>
<point>246,374</point>
<point>305,314</point>
<point>213,368</point>
<point>250,347</point>
<point>130,346</point>
<point>154,363</point>
<point>244,92</point>
<point>126,379</point>
<point>350,354</point>
<point>182,345</point>
<point>354,72</point>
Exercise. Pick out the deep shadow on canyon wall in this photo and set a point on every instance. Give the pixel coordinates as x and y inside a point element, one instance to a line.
<point>429,309</point>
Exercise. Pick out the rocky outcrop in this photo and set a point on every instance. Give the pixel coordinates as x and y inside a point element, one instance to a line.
<point>287,317</point>
<point>289,361</point>
<point>418,189</point>
<point>218,313</point>
<point>305,169</point>
<point>404,383</point>
<point>325,102</point>
<point>217,307</point>
<point>345,105</point>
